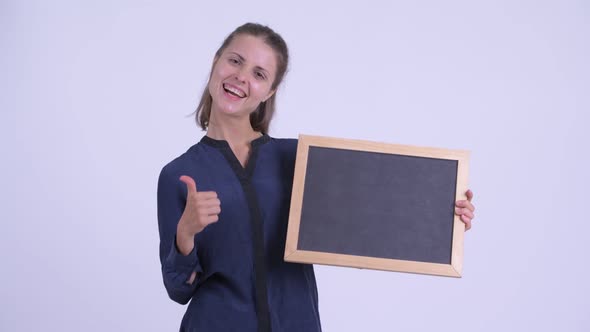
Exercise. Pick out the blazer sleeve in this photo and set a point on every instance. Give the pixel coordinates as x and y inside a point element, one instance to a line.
<point>176,268</point>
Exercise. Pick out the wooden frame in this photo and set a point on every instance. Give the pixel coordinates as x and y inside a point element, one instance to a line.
<point>293,254</point>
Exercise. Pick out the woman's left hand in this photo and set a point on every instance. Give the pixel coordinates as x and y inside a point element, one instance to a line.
<point>464,209</point>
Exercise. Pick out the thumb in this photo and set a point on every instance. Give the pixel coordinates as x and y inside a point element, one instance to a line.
<point>469,195</point>
<point>190,184</point>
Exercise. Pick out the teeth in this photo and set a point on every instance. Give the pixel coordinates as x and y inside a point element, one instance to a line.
<point>235,91</point>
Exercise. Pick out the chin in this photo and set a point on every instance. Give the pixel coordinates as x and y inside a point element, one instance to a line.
<point>233,112</point>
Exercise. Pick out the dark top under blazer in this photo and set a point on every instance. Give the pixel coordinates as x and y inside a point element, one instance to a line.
<point>224,297</point>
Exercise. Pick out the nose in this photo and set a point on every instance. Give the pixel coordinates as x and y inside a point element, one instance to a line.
<point>241,75</point>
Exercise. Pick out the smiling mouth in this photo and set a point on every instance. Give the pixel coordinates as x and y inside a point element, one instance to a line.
<point>234,91</point>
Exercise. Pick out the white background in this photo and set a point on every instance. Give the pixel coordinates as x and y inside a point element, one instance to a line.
<point>95,98</point>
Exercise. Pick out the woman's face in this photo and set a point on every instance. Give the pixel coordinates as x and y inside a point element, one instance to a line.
<point>242,76</point>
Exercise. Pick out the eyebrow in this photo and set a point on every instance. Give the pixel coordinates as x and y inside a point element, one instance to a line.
<point>243,59</point>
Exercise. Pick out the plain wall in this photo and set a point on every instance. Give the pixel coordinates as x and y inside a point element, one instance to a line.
<point>96,98</point>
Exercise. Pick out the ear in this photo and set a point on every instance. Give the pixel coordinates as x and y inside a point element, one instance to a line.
<point>272,92</point>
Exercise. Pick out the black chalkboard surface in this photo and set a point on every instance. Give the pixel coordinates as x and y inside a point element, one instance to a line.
<point>379,206</point>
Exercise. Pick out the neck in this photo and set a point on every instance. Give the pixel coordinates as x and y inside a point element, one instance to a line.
<point>236,131</point>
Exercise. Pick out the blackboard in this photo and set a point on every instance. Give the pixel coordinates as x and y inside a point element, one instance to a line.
<point>378,206</point>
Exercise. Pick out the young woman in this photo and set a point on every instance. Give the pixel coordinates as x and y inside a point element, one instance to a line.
<point>223,205</point>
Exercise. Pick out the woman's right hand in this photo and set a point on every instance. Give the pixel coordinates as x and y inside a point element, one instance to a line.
<point>201,209</point>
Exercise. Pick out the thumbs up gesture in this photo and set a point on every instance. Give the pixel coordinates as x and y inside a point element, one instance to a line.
<point>202,208</point>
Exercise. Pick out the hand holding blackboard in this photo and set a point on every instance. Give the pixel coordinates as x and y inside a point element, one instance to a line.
<point>400,217</point>
<point>465,210</point>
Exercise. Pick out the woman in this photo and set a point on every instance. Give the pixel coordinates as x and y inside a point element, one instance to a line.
<point>223,205</point>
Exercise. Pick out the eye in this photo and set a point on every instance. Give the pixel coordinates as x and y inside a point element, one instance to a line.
<point>234,61</point>
<point>260,75</point>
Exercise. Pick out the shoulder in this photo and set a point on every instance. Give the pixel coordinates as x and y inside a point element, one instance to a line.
<point>285,145</point>
<point>183,163</point>
<point>285,150</point>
